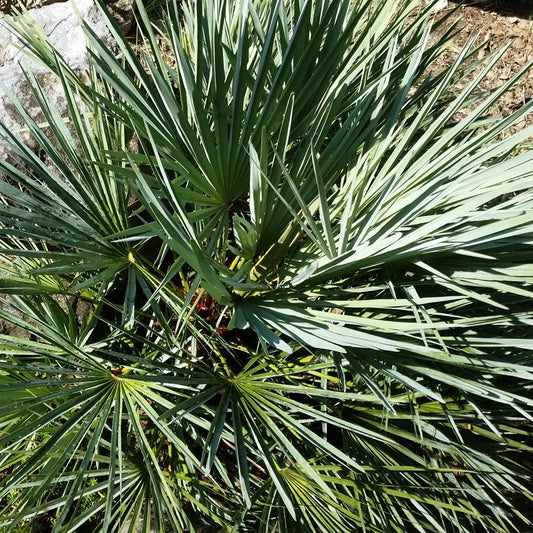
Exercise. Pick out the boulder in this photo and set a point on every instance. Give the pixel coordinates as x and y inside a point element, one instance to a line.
<point>438,5</point>
<point>60,22</point>
<point>122,10</point>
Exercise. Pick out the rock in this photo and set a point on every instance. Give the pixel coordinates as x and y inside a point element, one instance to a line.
<point>437,5</point>
<point>122,10</point>
<point>61,23</point>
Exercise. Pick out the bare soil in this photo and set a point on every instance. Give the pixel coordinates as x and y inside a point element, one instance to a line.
<point>498,23</point>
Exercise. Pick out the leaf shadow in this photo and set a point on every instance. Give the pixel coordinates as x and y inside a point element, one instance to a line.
<point>511,8</point>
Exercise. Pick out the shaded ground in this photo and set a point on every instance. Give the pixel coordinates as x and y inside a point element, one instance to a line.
<point>520,8</point>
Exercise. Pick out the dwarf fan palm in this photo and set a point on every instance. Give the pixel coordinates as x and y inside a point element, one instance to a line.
<point>306,293</point>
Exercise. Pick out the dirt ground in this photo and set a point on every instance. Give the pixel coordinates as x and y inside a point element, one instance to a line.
<point>499,23</point>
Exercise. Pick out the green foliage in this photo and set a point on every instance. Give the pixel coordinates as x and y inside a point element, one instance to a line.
<point>302,304</point>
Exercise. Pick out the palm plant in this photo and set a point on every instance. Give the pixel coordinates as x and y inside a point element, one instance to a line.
<point>300,304</point>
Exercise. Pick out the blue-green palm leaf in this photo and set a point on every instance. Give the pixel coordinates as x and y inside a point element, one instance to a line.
<point>302,303</point>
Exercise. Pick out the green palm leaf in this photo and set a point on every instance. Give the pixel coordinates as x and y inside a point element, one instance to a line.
<point>302,304</point>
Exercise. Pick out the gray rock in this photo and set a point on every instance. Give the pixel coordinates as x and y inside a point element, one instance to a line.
<point>61,23</point>
<point>122,10</point>
<point>438,6</point>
